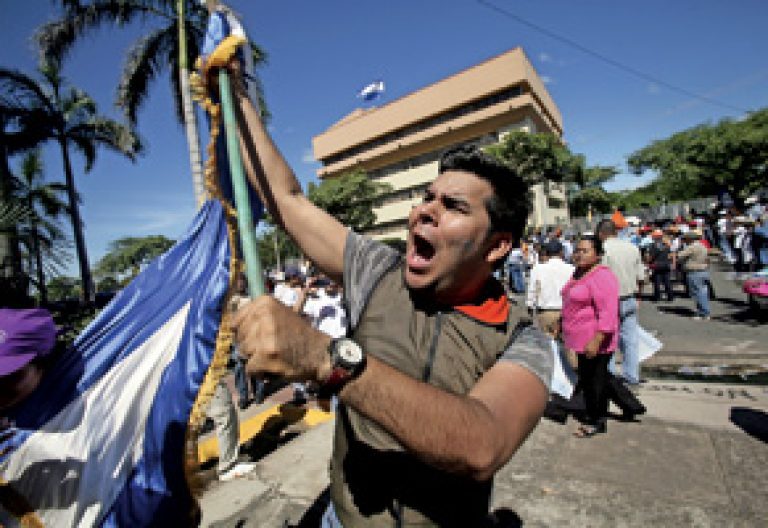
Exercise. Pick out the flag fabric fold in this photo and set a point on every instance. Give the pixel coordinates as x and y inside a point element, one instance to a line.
<point>102,440</point>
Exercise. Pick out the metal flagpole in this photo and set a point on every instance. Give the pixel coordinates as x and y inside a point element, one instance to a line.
<point>253,269</point>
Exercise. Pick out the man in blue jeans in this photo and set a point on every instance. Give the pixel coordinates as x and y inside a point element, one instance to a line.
<point>694,261</point>
<point>625,261</point>
<point>516,269</point>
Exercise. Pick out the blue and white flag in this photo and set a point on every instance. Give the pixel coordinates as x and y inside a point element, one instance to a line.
<point>102,439</point>
<point>372,91</point>
<point>222,23</point>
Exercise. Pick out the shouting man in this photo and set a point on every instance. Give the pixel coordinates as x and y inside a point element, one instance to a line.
<point>440,380</point>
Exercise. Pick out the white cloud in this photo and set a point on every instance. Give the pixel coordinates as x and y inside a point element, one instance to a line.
<point>546,79</point>
<point>653,88</point>
<point>545,57</point>
<point>307,157</point>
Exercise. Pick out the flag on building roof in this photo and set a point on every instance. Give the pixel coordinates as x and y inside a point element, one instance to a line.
<point>371,91</point>
<point>101,442</point>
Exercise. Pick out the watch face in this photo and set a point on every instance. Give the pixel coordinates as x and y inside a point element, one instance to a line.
<point>349,351</point>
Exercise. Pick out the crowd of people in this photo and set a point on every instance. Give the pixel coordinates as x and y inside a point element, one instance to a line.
<point>584,288</point>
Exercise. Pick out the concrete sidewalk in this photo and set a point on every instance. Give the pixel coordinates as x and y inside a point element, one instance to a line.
<point>698,458</point>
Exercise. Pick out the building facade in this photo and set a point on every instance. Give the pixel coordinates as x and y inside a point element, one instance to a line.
<point>401,142</point>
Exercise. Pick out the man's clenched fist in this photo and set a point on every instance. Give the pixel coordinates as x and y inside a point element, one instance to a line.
<point>276,340</point>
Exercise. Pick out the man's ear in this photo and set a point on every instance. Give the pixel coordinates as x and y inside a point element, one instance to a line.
<point>500,244</point>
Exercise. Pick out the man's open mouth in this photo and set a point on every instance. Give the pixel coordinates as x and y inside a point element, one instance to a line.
<point>421,253</point>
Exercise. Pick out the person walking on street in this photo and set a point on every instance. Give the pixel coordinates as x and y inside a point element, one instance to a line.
<point>659,257</point>
<point>695,262</point>
<point>516,269</point>
<point>591,328</point>
<point>623,258</point>
<point>546,281</point>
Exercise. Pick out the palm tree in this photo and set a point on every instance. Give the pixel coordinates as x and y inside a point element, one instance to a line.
<point>16,99</point>
<point>173,43</point>
<point>69,117</point>
<point>40,231</point>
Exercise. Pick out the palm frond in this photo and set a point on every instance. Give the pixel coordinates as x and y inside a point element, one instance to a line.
<point>144,63</point>
<point>13,213</point>
<point>107,133</point>
<point>77,106</point>
<point>19,92</point>
<point>55,39</point>
<point>86,147</point>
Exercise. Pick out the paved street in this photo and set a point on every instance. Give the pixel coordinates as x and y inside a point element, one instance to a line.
<point>699,457</point>
<point>734,336</point>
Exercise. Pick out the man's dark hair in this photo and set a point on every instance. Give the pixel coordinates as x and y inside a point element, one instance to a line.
<point>606,227</point>
<point>510,204</point>
<point>596,242</point>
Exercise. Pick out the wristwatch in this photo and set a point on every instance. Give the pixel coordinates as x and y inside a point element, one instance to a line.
<point>347,362</point>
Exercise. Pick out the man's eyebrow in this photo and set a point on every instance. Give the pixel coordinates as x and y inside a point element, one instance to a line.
<point>459,200</point>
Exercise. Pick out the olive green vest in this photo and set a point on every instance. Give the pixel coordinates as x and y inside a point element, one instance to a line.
<point>374,482</point>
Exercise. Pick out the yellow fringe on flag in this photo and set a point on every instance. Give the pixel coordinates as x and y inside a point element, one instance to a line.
<point>218,368</point>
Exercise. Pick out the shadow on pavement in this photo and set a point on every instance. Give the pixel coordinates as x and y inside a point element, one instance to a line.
<point>748,317</point>
<point>505,518</point>
<point>273,434</point>
<point>682,311</point>
<point>751,421</point>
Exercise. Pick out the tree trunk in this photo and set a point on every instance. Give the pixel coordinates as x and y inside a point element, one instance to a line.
<point>190,122</point>
<point>193,139</point>
<point>42,290</point>
<point>10,252</point>
<point>77,227</point>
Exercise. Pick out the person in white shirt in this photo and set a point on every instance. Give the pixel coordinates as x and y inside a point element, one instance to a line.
<point>325,309</point>
<point>545,283</point>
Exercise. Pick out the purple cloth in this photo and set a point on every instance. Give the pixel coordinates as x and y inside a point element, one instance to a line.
<point>590,305</point>
<point>24,335</point>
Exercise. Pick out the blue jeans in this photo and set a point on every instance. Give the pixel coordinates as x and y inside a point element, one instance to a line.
<point>516,277</point>
<point>629,341</point>
<point>697,286</point>
<point>726,248</point>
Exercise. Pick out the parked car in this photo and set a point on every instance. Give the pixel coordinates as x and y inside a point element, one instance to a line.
<point>756,288</point>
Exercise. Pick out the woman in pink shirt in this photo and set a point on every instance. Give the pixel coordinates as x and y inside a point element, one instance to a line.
<point>591,328</point>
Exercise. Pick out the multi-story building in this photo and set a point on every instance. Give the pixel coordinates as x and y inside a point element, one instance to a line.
<point>401,142</point>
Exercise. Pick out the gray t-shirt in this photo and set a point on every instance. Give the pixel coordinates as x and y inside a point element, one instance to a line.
<point>366,261</point>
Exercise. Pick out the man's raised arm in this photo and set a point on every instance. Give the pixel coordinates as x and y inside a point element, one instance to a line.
<point>319,235</point>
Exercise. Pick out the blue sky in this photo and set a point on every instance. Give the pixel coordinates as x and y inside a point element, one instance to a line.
<point>322,53</point>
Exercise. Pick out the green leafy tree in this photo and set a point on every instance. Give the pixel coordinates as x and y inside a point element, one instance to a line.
<point>594,198</point>
<point>64,288</point>
<point>275,247</point>
<point>18,98</point>
<point>350,198</point>
<point>176,30</point>
<point>586,189</point>
<point>543,158</point>
<point>538,158</point>
<point>126,257</point>
<point>108,284</point>
<point>731,155</point>
<point>69,118</point>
